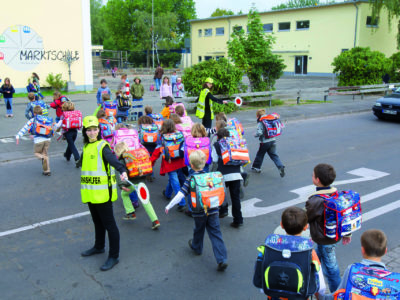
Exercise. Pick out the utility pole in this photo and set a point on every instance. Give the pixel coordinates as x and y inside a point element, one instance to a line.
<point>152,29</point>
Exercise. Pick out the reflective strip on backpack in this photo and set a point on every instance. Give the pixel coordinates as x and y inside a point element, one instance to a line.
<point>301,280</point>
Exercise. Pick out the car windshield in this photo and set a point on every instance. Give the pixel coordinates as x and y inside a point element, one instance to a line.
<point>397,90</point>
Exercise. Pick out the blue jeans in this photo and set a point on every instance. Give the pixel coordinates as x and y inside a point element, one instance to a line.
<point>158,83</point>
<point>175,181</point>
<point>330,268</point>
<point>41,95</point>
<point>211,223</point>
<point>8,102</point>
<point>269,148</point>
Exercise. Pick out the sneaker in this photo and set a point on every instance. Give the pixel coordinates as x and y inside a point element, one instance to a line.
<point>190,246</point>
<point>282,171</point>
<point>78,164</point>
<point>155,225</point>
<point>222,266</point>
<point>246,180</point>
<point>109,264</point>
<point>67,158</point>
<point>181,208</point>
<point>255,170</point>
<point>236,225</point>
<point>130,216</point>
<point>166,198</point>
<point>46,173</point>
<point>92,251</point>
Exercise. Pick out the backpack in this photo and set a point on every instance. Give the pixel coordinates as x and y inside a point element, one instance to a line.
<point>129,136</point>
<point>64,99</point>
<point>110,107</point>
<point>124,103</point>
<point>149,134</point>
<point>106,128</point>
<point>45,111</point>
<point>158,119</point>
<point>193,144</point>
<point>366,282</point>
<point>235,123</point>
<point>171,144</point>
<point>272,125</point>
<point>185,128</point>
<point>151,87</point>
<point>207,191</point>
<point>42,126</point>
<point>174,105</point>
<point>285,267</point>
<point>234,151</point>
<point>72,119</point>
<point>233,133</point>
<point>342,214</point>
<point>138,162</point>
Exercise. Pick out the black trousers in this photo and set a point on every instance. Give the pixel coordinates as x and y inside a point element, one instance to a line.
<point>103,219</point>
<point>70,136</point>
<point>234,191</point>
<point>206,121</point>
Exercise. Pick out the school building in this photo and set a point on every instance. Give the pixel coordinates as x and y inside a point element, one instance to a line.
<point>39,36</point>
<point>308,39</point>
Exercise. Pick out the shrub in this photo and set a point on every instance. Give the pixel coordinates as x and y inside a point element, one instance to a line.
<point>395,71</point>
<point>56,82</point>
<point>170,59</point>
<point>225,108</point>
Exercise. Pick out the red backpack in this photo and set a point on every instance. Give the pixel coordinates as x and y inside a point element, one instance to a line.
<point>72,119</point>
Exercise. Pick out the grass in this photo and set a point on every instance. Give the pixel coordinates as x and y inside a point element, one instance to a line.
<point>49,93</point>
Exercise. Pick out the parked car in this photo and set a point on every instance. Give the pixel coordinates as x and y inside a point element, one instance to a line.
<point>388,107</point>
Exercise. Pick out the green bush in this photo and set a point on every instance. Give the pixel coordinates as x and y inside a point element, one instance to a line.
<point>170,59</point>
<point>56,82</point>
<point>225,108</point>
<point>361,66</point>
<point>395,71</point>
<point>227,77</point>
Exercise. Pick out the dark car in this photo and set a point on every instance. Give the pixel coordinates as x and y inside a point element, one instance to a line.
<point>388,107</point>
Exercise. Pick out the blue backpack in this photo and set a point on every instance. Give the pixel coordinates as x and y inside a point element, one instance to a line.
<point>42,126</point>
<point>149,134</point>
<point>171,145</point>
<point>45,111</point>
<point>370,282</point>
<point>342,214</point>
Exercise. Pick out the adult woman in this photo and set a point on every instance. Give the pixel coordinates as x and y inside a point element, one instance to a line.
<point>8,90</point>
<point>204,109</point>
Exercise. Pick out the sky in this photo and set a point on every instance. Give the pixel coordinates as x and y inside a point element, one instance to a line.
<point>204,8</point>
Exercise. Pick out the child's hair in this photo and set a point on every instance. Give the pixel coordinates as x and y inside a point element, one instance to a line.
<point>325,173</point>
<point>7,80</point>
<point>197,160</point>
<point>198,130</point>
<point>220,124</point>
<point>148,110</point>
<point>168,126</point>
<point>175,118</point>
<point>124,76</point>
<point>37,110</point>
<point>221,116</point>
<point>260,112</point>
<point>205,86</point>
<point>120,148</point>
<point>168,101</point>
<point>174,72</point>
<point>101,114</point>
<point>221,133</point>
<point>31,96</point>
<point>374,242</point>
<point>105,97</point>
<point>117,93</point>
<point>103,81</point>
<point>120,125</point>
<point>164,79</point>
<point>68,106</point>
<point>294,219</point>
<point>179,110</point>
<point>145,120</point>
<point>56,94</point>
<point>36,75</point>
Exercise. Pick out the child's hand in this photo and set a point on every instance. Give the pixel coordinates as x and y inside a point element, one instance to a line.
<point>17,139</point>
<point>125,189</point>
<point>166,211</point>
<point>124,176</point>
<point>225,101</point>
<point>346,240</point>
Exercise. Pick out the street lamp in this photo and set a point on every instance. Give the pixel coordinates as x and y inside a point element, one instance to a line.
<point>69,59</point>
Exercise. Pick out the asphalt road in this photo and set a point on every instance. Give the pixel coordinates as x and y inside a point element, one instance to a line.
<point>45,263</point>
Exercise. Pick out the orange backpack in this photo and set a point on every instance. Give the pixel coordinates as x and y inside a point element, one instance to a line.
<point>138,162</point>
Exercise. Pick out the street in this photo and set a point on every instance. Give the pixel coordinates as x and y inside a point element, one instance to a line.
<point>42,260</point>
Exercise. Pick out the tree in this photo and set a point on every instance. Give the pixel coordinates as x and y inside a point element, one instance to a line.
<point>361,66</point>
<point>219,12</point>
<point>98,27</point>
<point>296,3</point>
<point>392,8</point>
<point>395,71</point>
<point>252,53</point>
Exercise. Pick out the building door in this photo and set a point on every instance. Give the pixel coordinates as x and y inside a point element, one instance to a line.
<point>300,64</point>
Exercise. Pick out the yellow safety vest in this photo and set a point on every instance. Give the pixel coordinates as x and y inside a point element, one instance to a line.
<point>201,105</point>
<point>96,180</point>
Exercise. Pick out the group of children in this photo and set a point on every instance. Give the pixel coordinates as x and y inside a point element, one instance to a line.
<point>174,88</point>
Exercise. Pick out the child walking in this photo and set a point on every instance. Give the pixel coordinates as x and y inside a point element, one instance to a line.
<point>165,89</point>
<point>31,105</point>
<point>103,89</point>
<point>57,103</point>
<point>8,91</point>
<point>202,220</point>
<point>126,189</point>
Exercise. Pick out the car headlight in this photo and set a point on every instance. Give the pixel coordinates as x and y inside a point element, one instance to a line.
<point>378,104</point>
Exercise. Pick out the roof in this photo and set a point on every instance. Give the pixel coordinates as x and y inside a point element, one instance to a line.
<point>282,10</point>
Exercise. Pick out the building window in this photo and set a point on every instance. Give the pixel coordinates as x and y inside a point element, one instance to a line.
<point>237,28</point>
<point>285,26</point>
<point>344,50</point>
<point>219,31</point>
<point>200,33</point>
<point>199,58</point>
<point>268,27</point>
<point>302,25</point>
<point>207,57</point>
<point>372,22</point>
<point>218,57</point>
<point>208,32</point>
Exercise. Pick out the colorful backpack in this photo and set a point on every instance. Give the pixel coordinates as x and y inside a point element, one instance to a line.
<point>149,134</point>
<point>233,133</point>
<point>367,282</point>
<point>151,87</point>
<point>171,144</point>
<point>272,125</point>
<point>185,128</point>
<point>158,119</point>
<point>72,119</point>
<point>110,107</point>
<point>106,128</point>
<point>235,123</point>
<point>129,136</point>
<point>207,191</point>
<point>45,111</point>
<point>192,144</point>
<point>42,126</point>
<point>174,105</point>
<point>138,162</point>
<point>124,103</point>
<point>234,151</point>
<point>285,267</point>
<point>342,214</point>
